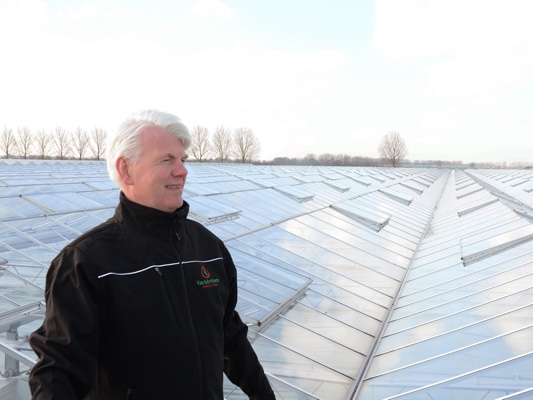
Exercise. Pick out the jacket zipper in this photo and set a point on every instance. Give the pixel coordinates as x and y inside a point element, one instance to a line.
<point>191,325</point>
<point>173,313</point>
<point>192,328</point>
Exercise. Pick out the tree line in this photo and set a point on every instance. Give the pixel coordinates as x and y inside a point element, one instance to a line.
<point>59,143</point>
<point>224,145</point>
<point>328,159</point>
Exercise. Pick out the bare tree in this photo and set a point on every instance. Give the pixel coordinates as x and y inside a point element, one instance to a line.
<point>23,141</point>
<point>392,148</point>
<point>247,146</point>
<point>97,142</point>
<point>61,142</point>
<point>222,145</point>
<point>42,143</point>
<point>7,141</point>
<point>200,142</point>
<point>80,142</point>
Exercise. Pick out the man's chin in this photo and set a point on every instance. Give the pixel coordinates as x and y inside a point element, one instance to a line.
<point>177,205</point>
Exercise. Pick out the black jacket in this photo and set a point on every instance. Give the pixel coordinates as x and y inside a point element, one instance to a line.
<point>142,307</point>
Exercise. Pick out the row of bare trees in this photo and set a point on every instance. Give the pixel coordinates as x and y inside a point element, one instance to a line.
<point>241,144</point>
<point>59,143</point>
<point>223,145</point>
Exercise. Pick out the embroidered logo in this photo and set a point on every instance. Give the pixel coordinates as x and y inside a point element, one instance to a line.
<point>207,281</point>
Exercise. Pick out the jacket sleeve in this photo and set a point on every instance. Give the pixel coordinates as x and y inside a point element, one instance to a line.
<point>241,365</point>
<point>66,343</point>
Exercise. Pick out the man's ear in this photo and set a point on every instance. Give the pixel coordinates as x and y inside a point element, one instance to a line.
<point>124,170</point>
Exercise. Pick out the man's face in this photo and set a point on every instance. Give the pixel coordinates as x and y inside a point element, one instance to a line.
<point>158,178</point>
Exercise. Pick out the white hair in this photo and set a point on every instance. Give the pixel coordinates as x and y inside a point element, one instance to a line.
<point>125,141</point>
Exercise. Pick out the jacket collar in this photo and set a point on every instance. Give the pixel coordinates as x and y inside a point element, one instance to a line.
<point>149,220</point>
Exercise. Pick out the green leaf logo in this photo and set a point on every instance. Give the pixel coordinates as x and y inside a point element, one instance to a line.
<point>205,273</point>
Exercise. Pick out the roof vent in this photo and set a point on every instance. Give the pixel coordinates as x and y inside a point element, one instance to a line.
<point>471,190</point>
<point>397,196</point>
<point>377,178</point>
<point>473,249</point>
<point>422,181</point>
<point>208,211</point>
<point>295,194</point>
<point>335,185</point>
<point>465,185</point>
<point>373,219</point>
<point>362,181</point>
<point>476,205</point>
<point>414,189</point>
<point>519,182</point>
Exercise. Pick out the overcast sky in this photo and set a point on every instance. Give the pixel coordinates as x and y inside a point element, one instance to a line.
<point>453,77</point>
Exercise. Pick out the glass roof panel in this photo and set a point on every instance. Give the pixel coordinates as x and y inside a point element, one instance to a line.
<point>82,221</point>
<point>460,293</point>
<point>327,326</point>
<point>319,348</point>
<point>470,300</point>
<point>431,346</point>
<point>355,296</point>
<point>338,310</point>
<point>496,381</point>
<point>349,233</point>
<point>299,370</point>
<point>430,285</point>
<point>51,202</point>
<point>17,207</point>
<point>462,361</point>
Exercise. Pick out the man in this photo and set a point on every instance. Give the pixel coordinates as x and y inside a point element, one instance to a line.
<point>125,315</point>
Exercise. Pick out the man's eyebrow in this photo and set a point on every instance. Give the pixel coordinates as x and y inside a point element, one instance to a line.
<point>173,156</point>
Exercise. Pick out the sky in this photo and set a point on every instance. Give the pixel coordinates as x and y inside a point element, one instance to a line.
<point>453,77</point>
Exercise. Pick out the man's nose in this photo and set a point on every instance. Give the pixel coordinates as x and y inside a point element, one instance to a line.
<point>180,169</point>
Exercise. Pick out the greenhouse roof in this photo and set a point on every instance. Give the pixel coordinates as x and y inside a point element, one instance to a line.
<point>357,283</point>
